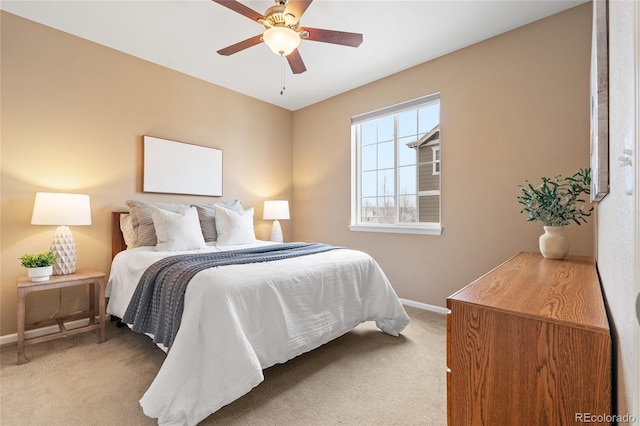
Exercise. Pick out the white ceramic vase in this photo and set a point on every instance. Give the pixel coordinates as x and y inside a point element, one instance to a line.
<point>40,274</point>
<point>554,244</point>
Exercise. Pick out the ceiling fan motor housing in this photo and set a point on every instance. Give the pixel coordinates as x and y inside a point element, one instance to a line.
<point>275,17</point>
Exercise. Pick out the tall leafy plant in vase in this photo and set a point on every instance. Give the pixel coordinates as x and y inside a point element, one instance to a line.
<point>556,203</point>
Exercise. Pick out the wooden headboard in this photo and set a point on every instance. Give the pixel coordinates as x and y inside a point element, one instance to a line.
<point>117,240</point>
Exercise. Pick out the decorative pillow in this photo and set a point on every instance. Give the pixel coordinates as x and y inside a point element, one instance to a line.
<point>126,227</point>
<point>207,215</point>
<point>144,232</point>
<point>177,231</point>
<point>234,227</point>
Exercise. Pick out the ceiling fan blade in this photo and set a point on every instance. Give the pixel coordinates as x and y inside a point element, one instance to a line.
<point>295,62</point>
<point>297,8</point>
<point>234,48</point>
<point>241,9</point>
<point>334,37</point>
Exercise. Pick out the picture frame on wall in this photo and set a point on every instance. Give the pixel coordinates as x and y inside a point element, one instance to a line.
<point>180,168</point>
<point>600,101</point>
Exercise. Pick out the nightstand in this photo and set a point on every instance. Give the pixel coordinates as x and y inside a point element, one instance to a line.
<point>90,277</point>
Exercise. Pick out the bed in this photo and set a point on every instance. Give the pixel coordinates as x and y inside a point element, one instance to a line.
<point>240,318</point>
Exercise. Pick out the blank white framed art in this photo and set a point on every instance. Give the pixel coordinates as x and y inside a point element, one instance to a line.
<point>181,168</point>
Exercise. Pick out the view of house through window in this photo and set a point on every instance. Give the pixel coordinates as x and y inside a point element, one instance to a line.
<point>397,164</point>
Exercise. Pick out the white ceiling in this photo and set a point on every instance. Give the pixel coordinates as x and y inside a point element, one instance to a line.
<point>184,35</point>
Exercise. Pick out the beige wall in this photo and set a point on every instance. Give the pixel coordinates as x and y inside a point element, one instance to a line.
<point>73,117</point>
<point>618,212</point>
<point>514,107</point>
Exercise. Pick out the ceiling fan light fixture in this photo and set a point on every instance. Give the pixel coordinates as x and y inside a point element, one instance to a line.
<point>281,40</point>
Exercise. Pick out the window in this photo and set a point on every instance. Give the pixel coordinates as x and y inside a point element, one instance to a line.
<point>396,168</point>
<point>436,160</point>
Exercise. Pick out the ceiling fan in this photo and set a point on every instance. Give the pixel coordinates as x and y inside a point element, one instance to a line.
<point>283,33</point>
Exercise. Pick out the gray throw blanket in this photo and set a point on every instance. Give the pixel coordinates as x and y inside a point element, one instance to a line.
<point>157,304</point>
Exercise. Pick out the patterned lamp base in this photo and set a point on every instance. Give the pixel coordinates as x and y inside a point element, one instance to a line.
<point>64,247</point>
<point>276,232</point>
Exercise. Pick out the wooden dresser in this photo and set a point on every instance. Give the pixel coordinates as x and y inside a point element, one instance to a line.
<point>529,344</point>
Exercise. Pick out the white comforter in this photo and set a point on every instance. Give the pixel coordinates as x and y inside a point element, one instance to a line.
<point>240,319</point>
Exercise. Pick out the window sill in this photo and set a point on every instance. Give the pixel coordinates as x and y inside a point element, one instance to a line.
<point>398,229</point>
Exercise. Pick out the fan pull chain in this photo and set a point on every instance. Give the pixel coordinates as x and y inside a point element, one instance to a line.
<point>282,75</point>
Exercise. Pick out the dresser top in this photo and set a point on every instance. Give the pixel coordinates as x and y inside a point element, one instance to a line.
<point>565,291</point>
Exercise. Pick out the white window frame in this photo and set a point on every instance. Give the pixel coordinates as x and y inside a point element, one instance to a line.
<point>423,228</point>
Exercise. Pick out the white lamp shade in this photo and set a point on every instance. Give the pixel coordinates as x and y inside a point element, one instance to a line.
<point>61,209</point>
<point>276,209</point>
<point>281,40</point>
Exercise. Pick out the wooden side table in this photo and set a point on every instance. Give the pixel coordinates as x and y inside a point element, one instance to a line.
<point>89,277</point>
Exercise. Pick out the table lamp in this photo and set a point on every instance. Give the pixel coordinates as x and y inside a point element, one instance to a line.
<point>275,210</point>
<point>62,210</point>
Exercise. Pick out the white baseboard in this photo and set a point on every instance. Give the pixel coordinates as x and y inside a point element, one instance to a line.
<point>37,332</point>
<point>425,306</point>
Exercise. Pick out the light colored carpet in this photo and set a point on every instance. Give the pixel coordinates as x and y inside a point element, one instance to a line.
<point>362,378</point>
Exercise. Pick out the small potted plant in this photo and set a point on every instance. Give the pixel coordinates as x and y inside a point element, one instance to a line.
<point>39,266</point>
<point>555,203</point>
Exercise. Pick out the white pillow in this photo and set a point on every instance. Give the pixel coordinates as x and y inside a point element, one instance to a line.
<point>177,231</point>
<point>128,233</point>
<point>207,215</point>
<point>144,232</point>
<point>234,227</point>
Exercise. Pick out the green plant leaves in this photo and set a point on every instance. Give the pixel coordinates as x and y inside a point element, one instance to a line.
<point>557,202</point>
<point>38,260</point>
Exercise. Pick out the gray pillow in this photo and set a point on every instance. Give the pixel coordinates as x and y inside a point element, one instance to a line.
<point>207,216</point>
<point>143,229</point>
